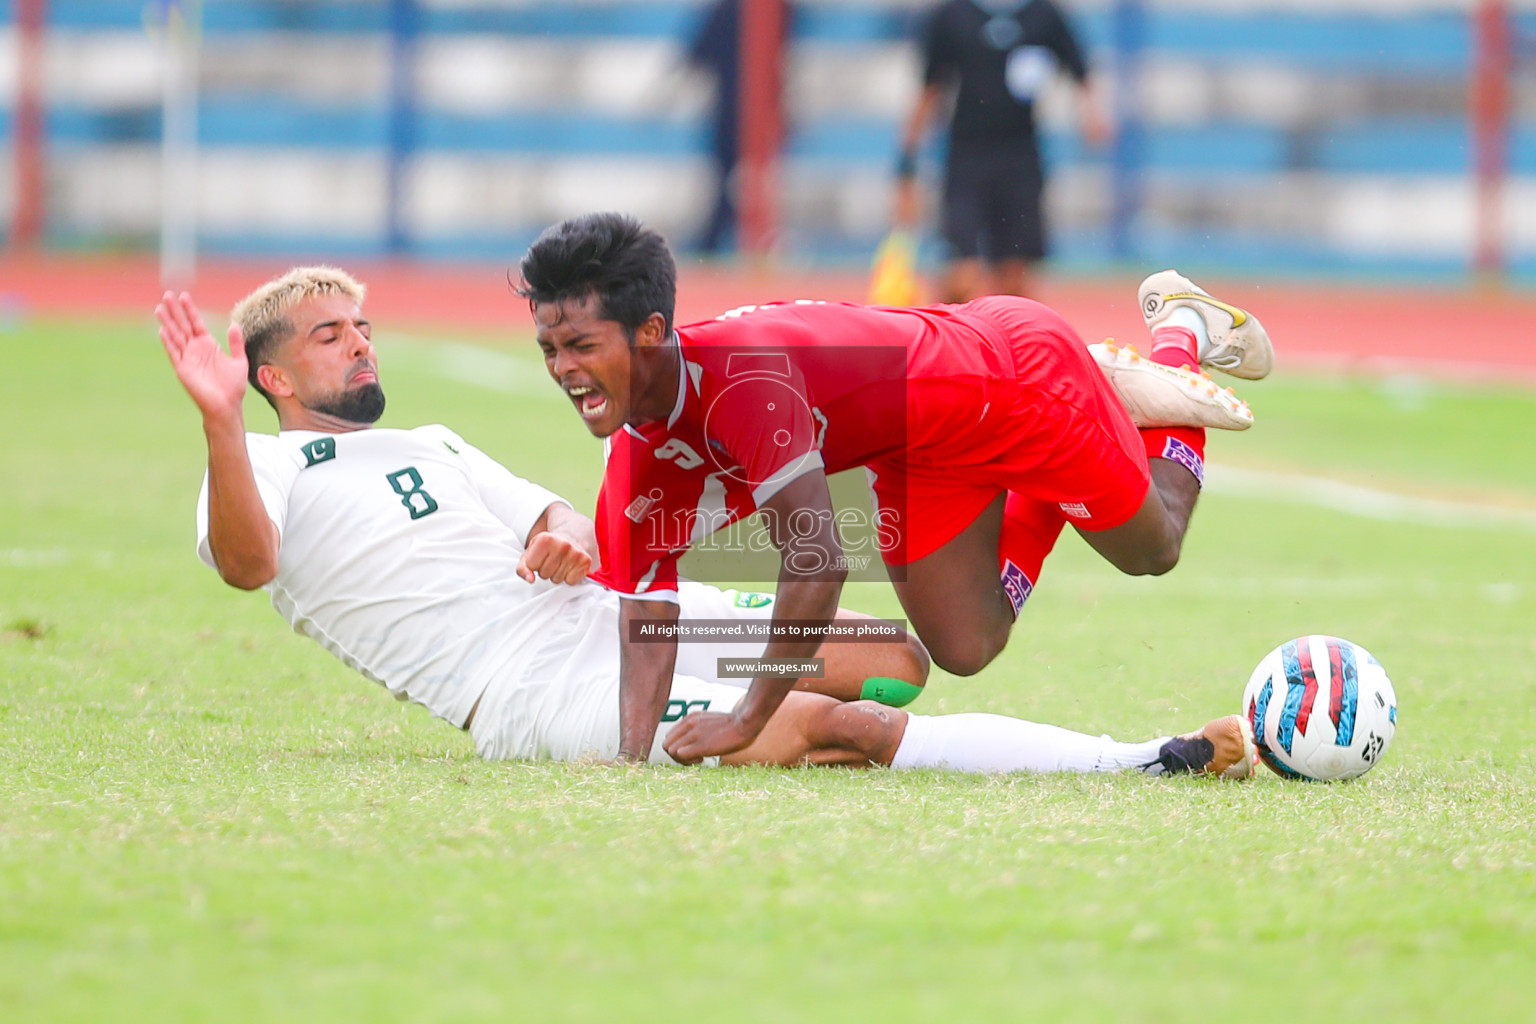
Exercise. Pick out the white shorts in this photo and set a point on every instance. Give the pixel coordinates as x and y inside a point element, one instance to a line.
<point>701,601</point>
<point>562,702</point>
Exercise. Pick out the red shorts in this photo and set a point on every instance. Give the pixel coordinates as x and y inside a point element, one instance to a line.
<point>1055,435</point>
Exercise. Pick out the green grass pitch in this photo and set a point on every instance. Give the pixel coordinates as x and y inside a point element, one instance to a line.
<point>204,817</point>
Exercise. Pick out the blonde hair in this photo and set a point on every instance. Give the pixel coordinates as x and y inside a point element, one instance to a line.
<point>263,314</point>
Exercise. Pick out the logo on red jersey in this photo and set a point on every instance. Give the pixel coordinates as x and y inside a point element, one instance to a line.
<point>641,506</point>
<point>1075,509</point>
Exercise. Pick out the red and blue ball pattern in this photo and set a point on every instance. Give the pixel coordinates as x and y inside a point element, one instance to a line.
<point>1322,708</point>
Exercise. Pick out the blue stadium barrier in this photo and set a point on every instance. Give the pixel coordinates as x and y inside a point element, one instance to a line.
<point>1348,43</point>
<point>1402,44</point>
<point>1371,147</point>
<point>1224,251</point>
<point>1409,47</point>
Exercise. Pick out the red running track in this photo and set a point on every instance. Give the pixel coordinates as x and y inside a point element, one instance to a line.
<point>1442,331</point>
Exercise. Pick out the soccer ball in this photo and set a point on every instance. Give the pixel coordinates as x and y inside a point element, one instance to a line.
<point>1321,709</point>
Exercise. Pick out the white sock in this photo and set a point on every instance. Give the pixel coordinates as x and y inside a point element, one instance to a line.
<point>996,743</point>
<point>1183,316</point>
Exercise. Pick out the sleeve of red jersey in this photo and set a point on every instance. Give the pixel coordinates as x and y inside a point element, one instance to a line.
<point>632,565</point>
<point>762,419</point>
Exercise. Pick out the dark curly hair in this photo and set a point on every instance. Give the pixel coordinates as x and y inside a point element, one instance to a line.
<point>611,255</point>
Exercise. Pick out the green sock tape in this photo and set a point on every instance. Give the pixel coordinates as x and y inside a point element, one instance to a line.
<point>894,692</point>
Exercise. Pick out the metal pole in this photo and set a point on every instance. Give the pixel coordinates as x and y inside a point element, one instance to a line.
<point>762,56</point>
<point>1489,109</point>
<point>182,25</point>
<point>27,231</point>
<point>1129,32</point>
<point>404,29</point>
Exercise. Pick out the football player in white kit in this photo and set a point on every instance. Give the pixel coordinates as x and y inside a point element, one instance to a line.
<point>427,566</point>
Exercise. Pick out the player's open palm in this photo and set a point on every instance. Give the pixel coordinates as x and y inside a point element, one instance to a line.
<point>215,378</point>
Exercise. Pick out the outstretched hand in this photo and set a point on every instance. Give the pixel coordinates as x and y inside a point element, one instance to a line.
<point>214,378</point>
<point>706,734</point>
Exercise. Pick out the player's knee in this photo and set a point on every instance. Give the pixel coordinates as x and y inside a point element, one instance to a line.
<point>970,654</point>
<point>1169,558</point>
<point>964,663</point>
<point>1154,560</point>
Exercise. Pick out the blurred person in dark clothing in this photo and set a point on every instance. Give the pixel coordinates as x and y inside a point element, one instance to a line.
<point>716,50</point>
<point>991,59</point>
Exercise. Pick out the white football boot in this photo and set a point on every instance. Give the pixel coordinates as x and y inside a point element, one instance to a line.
<point>1164,396</point>
<point>1237,343</point>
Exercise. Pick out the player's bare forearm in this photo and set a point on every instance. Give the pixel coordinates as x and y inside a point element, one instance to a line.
<point>1098,126</point>
<point>810,602</point>
<point>241,535</point>
<point>802,525</point>
<point>709,734</point>
<point>645,674</point>
<point>920,117</point>
<point>908,198</point>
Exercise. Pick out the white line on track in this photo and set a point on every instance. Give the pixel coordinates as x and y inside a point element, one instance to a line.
<point>1194,585</point>
<point>476,365</point>
<point>55,558</point>
<point>1365,502</point>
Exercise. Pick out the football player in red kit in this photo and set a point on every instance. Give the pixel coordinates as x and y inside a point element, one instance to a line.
<point>983,427</point>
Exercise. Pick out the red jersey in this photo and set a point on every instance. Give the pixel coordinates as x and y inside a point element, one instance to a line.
<point>768,393</point>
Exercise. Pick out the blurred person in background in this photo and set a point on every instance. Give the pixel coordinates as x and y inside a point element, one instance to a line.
<point>716,51</point>
<point>991,59</point>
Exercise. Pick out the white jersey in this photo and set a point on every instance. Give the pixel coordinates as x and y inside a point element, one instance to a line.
<point>398,555</point>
